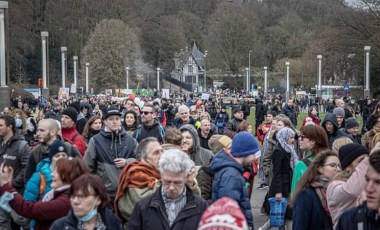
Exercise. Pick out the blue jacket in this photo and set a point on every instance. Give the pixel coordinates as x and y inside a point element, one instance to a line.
<point>308,212</point>
<point>32,188</point>
<point>349,219</point>
<point>229,182</point>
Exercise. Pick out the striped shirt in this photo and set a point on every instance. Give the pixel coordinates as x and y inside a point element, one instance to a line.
<point>173,207</point>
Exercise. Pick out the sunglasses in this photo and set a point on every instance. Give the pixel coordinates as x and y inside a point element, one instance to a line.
<point>146,112</point>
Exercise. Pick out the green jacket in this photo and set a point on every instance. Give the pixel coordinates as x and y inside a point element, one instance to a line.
<point>299,170</point>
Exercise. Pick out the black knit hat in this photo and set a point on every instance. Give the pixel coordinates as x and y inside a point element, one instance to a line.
<point>56,147</point>
<point>351,123</point>
<point>72,113</point>
<point>349,152</point>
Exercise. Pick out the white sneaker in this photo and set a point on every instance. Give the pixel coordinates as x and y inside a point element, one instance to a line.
<point>266,226</point>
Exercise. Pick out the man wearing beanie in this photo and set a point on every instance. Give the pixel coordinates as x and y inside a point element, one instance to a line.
<point>232,126</point>
<point>352,130</point>
<point>69,131</point>
<point>339,114</point>
<point>228,169</point>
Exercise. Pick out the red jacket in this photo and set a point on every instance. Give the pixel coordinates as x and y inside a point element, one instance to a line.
<point>45,213</point>
<point>316,120</point>
<point>262,130</point>
<point>71,135</point>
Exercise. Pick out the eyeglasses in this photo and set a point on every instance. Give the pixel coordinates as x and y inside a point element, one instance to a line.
<point>146,112</point>
<point>333,165</point>
<point>80,197</point>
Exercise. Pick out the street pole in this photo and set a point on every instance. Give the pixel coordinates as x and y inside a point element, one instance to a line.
<point>5,92</point>
<point>204,74</point>
<point>44,37</point>
<point>63,59</point>
<point>266,82</point>
<point>319,90</point>
<point>247,84</point>
<point>287,80</point>
<point>367,91</point>
<point>87,66</point>
<point>249,67</point>
<point>127,80</point>
<point>75,58</point>
<point>158,79</point>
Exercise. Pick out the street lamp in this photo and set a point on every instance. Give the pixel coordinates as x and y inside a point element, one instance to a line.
<point>44,37</point>
<point>249,67</point>
<point>75,58</point>
<point>127,77</point>
<point>367,91</point>
<point>63,53</point>
<point>319,90</point>
<point>158,79</point>
<point>204,74</point>
<point>3,7</point>
<point>266,82</point>
<point>87,66</point>
<point>247,86</point>
<point>287,80</point>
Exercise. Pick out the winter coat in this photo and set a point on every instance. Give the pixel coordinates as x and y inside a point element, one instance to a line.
<point>156,130</point>
<point>291,113</point>
<point>282,173</point>
<point>70,222</point>
<point>316,120</point>
<point>12,155</point>
<point>299,170</point>
<point>45,213</point>
<point>260,112</point>
<point>367,139</point>
<point>203,141</point>
<point>337,133</point>
<point>101,152</point>
<point>205,177</point>
<point>150,213</point>
<point>32,188</point>
<point>267,160</point>
<point>349,219</point>
<point>71,135</point>
<point>178,123</point>
<point>232,127</point>
<point>308,212</point>
<point>356,139</point>
<point>229,182</point>
<point>199,155</point>
<point>343,195</point>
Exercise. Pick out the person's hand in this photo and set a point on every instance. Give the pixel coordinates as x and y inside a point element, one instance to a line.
<point>120,162</point>
<point>190,181</point>
<point>6,174</point>
<point>278,196</point>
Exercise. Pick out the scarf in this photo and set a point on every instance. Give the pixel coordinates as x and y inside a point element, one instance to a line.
<point>376,136</point>
<point>51,194</point>
<point>283,135</point>
<point>99,225</point>
<point>137,174</point>
<point>320,186</point>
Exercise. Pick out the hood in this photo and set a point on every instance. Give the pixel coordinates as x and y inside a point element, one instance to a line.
<point>114,136</point>
<point>222,160</point>
<point>194,134</point>
<point>332,118</point>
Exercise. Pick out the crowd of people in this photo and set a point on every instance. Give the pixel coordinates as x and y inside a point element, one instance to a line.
<point>158,163</point>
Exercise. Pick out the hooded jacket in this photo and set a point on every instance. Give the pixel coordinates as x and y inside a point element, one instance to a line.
<point>103,149</point>
<point>73,136</point>
<point>229,182</point>
<point>199,155</point>
<point>155,130</point>
<point>337,133</point>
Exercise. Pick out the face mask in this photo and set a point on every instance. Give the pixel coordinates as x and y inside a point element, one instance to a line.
<point>18,122</point>
<point>93,212</point>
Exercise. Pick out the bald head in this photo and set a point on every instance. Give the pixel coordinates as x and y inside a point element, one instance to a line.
<point>47,131</point>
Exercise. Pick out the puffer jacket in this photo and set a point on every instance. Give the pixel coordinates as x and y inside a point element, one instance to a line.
<point>229,182</point>
<point>70,222</point>
<point>32,188</point>
<point>337,133</point>
<point>103,149</point>
<point>11,156</point>
<point>199,155</point>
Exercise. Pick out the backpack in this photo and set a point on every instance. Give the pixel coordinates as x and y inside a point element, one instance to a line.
<point>306,161</point>
<point>39,156</point>
<point>42,184</point>
<point>161,133</point>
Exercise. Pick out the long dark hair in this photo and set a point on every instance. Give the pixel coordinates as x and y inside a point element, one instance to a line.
<point>317,134</point>
<point>87,128</point>
<point>134,126</point>
<point>311,174</point>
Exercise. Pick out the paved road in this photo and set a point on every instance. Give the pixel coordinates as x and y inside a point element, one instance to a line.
<point>256,203</point>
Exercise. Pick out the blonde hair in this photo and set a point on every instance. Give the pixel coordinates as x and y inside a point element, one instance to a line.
<point>340,142</point>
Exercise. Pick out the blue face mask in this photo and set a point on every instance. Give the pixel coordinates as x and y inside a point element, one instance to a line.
<point>18,122</point>
<point>93,212</point>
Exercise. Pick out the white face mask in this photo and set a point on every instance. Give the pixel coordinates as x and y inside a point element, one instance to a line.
<point>93,212</point>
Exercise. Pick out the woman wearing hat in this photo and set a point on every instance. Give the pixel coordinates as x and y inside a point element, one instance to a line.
<point>346,189</point>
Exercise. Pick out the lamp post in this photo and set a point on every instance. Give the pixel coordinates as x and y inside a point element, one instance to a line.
<point>44,40</point>
<point>247,85</point>
<point>4,89</point>
<point>127,77</point>
<point>367,91</point>
<point>204,74</point>
<point>63,59</point>
<point>319,90</point>
<point>158,79</point>
<point>266,82</point>
<point>287,80</point>
<point>249,68</point>
<point>87,66</point>
<point>75,58</point>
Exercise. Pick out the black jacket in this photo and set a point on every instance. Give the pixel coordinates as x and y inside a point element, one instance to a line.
<point>349,220</point>
<point>337,133</point>
<point>150,213</point>
<point>291,113</point>
<point>282,172</point>
<point>156,130</point>
<point>70,222</point>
